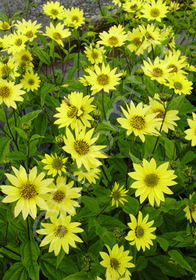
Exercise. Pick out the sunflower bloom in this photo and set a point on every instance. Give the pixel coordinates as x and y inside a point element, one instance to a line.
<point>133,6</point>
<point>23,59</point>
<point>116,263</point>
<point>54,164</point>
<point>89,175</point>
<point>190,214</point>
<point>60,233</point>
<point>74,17</point>
<point>4,25</point>
<point>82,149</point>
<point>118,195</point>
<point>151,36</point>
<point>156,10</point>
<point>152,182</point>
<point>95,54</point>
<point>57,33</point>
<point>180,84</point>
<point>135,38</point>
<point>27,190</point>
<point>191,132</point>
<point>53,10</point>
<point>28,28</point>
<point>141,232</point>
<point>115,37</point>
<point>30,81</point>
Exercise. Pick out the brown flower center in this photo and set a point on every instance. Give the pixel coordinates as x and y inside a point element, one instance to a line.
<point>114,263</point>
<point>103,79</point>
<point>151,180</point>
<point>160,114</point>
<point>60,231</point>
<point>29,34</point>
<point>139,232</point>
<point>18,42</point>
<point>58,196</point>
<point>173,68</point>
<point>116,195</point>
<point>28,191</point>
<point>178,85</point>
<point>57,163</point>
<point>57,36</point>
<point>54,12</point>
<point>75,18</point>
<point>25,57</point>
<point>81,147</point>
<point>94,55</point>
<point>157,72</point>
<point>155,13</point>
<point>113,41</point>
<point>5,69</point>
<point>148,36</point>
<point>5,91</point>
<point>5,26</point>
<point>137,41</point>
<point>137,122</point>
<point>31,82</point>
<point>72,111</point>
<point>134,7</point>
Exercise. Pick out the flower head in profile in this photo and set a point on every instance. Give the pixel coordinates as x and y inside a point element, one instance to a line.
<point>61,232</point>
<point>89,175</point>
<point>9,69</point>
<point>74,17</point>
<point>118,195</point>
<point>133,6</point>
<point>27,190</point>
<point>119,2</point>
<point>180,84</point>
<point>10,93</point>
<point>190,213</point>
<point>54,10</point>
<point>54,164</point>
<point>116,263</point>
<point>103,78</point>
<point>155,10</point>
<point>137,121</point>
<point>115,37</point>
<point>191,132</point>
<point>95,54</point>
<point>63,198</point>
<point>175,62</point>
<point>141,232</point>
<point>30,81</point>
<point>4,25</point>
<point>152,182</point>
<point>151,35</point>
<point>82,148</point>
<point>57,33</point>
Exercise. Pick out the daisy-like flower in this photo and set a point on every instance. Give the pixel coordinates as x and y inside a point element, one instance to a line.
<point>119,2</point>
<point>74,17</point>
<point>155,106</point>
<point>155,10</point>
<point>15,42</point>
<point>28,28</point>
<point>53,10</point>
<point>60,233</point>
<point>190,214</point>
<point>152,182</point>
<point>95,54</point>
<point>133,6</point>
<point>118,195</point>
<point>4,25</point>
<point>116,263</point>
<point>9,68</point>
<point>180,84</point>
<point>103,78</point>
<point>141,232</point>
<point>54,164</point>
<point>137,121</point>
<point>156,70</point>
<point>175,62</point>
<point>151,36</point>
<point>9,93</point>
<point>30,81</point>
<point>27,190</point>
<point>23,59</point>
<point>82,149</point>
<point>168,33</point>
<point>75,111</point>
<point>135,38</point>
<point>115,37</point>
<point>62,198</point>
<point>174,6</point>
<point>89,175</point>
<point>57,33</point>
<point>191,132</point>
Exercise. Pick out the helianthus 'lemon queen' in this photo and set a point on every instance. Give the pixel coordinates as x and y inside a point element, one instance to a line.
<point>115,37</point>
<point>27,190</point>
<point>74,17</point>
<point>94,54</point>
<point>180,84</point>
<point>54,10</point>
<point>191,132</point>
<point>54,164</point>
<point>30,81</point>
<point>156,10</point>
<point>118,195</point>
<point>82,148</point>
<point>152,182</point>
<point>137,121</point>
<point>116,262</point>
<point>57,33</point>
<point>60,233</point>
<point>141,232</point>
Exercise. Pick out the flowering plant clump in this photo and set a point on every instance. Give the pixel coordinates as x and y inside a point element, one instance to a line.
<point>97,147</point>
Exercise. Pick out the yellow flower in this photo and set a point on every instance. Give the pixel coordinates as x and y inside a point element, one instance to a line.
<point>9,68</point>
<point>141,232</point>
<point>116,262</point>
<point>15,42</point>
<point>191,132</point>
<point>55,164</point>
<point>168,33</point>
<point>155,10</point>
<point>174,6</point>
<point>135,38</point>
<point>115,37</point>
<point>53,10</point>
<point>57,33</point>
<point>133,6</point>
<point>82,149</point>
<point>60,233</point>
<point>175,62</point>
<point>119,2</point>
<point>75,111</point>
<point>95,54</point>
<point>9,93</point>
<point>180,84</point>
<point>30,81</point>
<point>151,36</point>
<point>190,213</point>
<point>118,195</point>
<point>23,59</point>
<point>74,18</point>
<point>4,25</point>
<point>89,175</point>
<point>137,121</point>
<point>28,28</point>
<point>27,190</point>
<point>103,78</point>
<point>152,182</point>
<point>62,198</point>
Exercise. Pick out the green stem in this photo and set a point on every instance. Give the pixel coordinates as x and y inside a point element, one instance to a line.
<point>102,102</point>
<point>103,208</point>
<point>7,122</point>
<point>10,250</point>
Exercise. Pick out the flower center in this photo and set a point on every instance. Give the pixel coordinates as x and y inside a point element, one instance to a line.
<point>151,180</point>
<point>57,163</point>
<point>173,68</point>
<point>31,82</point>
<point>81,147</point>
<point>57,36</point>
<point>178,85</point>
<point>133,7</point>
<point>29,34</point>
<point>5,26</point>
<point>137,122</point>
<point>75,18</point>
<point>18,42</point>
<point>72,111</point>
<point>54,12</point>
<point>5,69</point>
<point>94,55</point>
<point>4,91</point>
<point>114,263</point>
<point>58,196</point>
<point>116,195</point>
<point>157,72</point>
<point>148,36</point>
<point>160,114</point>
<point>155,13</point>
<point>113,41</point>
<point>60,231</point>
<point>137,41</point>
<point>103,79</point>
<point>28,191</point>
<point>139,232</point>
<point>25,57</point>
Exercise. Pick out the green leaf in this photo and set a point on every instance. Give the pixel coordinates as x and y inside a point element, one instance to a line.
<point>4,17</point>
<point>35,137</point>
<point>30,253</point>
<point>141,263</point>
<point>177,257</point>
<point>16,271</point>
<point>11,254</point>
<point>4,148</point>
<point>21,132</point>
<point>60,257</point>
<point>41,123</point>
<point>47,88</point>
<point>43,56</point>
<point>77,276</point>
<point>164,243</point>
<point>169,148</point>
<point>132,206</point>
<point>30,116</point>
<point>91,203</point>
<point>2,116</point>
<point>16,155</point>
<point>188,157</point>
